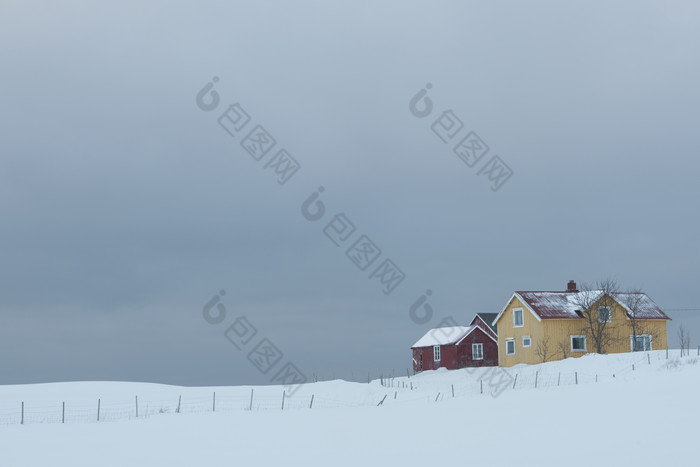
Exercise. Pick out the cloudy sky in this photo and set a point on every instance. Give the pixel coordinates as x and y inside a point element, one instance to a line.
<point>126,207</point>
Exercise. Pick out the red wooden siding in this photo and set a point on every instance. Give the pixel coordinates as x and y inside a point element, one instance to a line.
<point>478,321</point>
<point>453,356</point>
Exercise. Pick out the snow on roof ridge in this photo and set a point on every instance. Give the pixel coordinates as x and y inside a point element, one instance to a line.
<point>561,291</point>
<point>430,338</point>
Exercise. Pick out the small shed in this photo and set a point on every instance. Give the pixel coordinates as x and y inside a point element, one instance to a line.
<point>455,347</point>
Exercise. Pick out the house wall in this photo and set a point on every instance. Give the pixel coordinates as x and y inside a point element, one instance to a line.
<point>531,327</point>
<point>450,357</point>
<point>428,359</point>
<point>555,335</point>
<point>478,321</point>
<point>490,350</point>
<point>455,356</point>
<point>619,329</point>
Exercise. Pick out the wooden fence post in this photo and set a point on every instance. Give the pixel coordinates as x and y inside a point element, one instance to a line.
<point>283,394</point>
<point>453,391</point>
<point>536,374</point>
<point>381,401</point>
<point>436,397</point>
<point>22,422</point>
<point>137,406</point>
<point>312,401</point>
<point>515,380</point>
<point>576,376</point>
<point>559,379</point>
<point>649,359</point>
<point>179,401</point>
<point>251,400</point>
<point>395,392</point>
<point>63,414</point>
<point>481,386</point>
<point>409,375</point>
<point>98,409</point>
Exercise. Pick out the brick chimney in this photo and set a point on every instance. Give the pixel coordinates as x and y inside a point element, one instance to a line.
<point>571,287</point>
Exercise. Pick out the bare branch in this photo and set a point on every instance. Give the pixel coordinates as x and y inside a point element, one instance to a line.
<point>597,321</point>
<point>684,340</point>
<point>542,350</point>
<point>633,300</point>
<point>564,349</point>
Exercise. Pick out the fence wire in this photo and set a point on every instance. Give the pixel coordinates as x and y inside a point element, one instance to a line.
<point>387,391</point>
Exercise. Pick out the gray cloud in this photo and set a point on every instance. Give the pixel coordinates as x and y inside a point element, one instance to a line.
<point>125,208</point>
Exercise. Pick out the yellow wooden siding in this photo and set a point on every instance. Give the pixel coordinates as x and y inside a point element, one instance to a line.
<point>555,335</point>
<point>506,330</point>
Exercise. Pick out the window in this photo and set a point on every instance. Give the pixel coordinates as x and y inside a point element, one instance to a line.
<point>510,347</point>
<point>604,314</point>
<point>578,343</point>
<point>643,343</point>
<point>517,317</point>
<point>436,352</point>
<point>527,342</point>
<point>477,351</point>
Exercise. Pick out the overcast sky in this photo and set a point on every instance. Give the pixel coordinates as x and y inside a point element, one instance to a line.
<point>126,208</point>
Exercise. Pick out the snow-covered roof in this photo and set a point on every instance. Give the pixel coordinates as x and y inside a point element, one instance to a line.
<point>480,328</point>
<point>645,308</point>
<point>557,304</point>
<point>443,336</point>
<point>448,335</point>
<point>562,305</point>
<point>488,319</point>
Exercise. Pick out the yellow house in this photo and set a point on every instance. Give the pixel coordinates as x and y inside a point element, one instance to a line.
<point>535,327</point>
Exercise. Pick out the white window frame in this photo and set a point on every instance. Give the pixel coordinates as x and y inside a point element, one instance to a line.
<point>609,314</point>
<point>507,342</point>
<point>480,351</point>
<point>529,339</point>
<point>522,318</point>
<point>651,347</point>
<point>436,353</point>
<point>585,344</point>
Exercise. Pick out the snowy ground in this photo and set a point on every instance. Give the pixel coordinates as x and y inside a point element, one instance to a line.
<point>645,416</point>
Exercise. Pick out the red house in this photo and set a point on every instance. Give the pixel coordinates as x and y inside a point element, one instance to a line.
<point>456,347</point>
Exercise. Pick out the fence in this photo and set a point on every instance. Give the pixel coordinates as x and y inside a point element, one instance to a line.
<point>482,381</point>
<point>146,408</point>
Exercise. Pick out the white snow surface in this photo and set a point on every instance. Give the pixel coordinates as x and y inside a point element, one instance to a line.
<point>643,417</point>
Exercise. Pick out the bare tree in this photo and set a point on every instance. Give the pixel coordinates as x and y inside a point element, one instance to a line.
<point>684,340</point>
<point>598,321</point>
<point>564,348</point>
<point>633,300</point>
<point>542,349</point>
